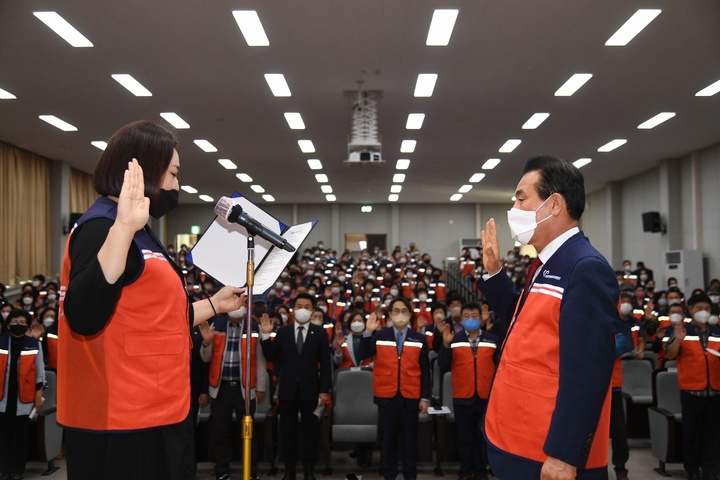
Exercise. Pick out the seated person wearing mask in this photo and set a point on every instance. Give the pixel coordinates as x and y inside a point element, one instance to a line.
<point>347,348</point>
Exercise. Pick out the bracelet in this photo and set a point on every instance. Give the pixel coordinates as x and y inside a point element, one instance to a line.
<point>212,306</point>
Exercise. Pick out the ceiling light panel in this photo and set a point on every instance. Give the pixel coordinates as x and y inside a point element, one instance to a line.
<point>330,198</point>
<point>321,178</point>
<point>326,188</point>
<point>393,197</point>
<point>535,121</point>
<point>441,27</point>
<point>66,31</point>
<point>612,145</point>
<point>306,146</point>
<point>131,85</point>
<point>314,164</point>
<point>257,188</point>
<point>415,121</point>
<point>5,95</point>
<point>656,120</point>
<point>490,163</point>
<point>710,90</point>
<point>188,189</point>
<point>227,163</point>
<point>251,28</point>
<point>573,84</point>
<point>395,188</point>
<point>402,164</point>
<point>58,123</point>
<point>456,197</point>
<point>581,162</point>
<point>294,120</point>
<point>278,85</point>
<point>465,188</point>
<point>175,120</point>
<point>101,144</point>
<point>206,198</point>
<point>244,177</point>
<point>632,27</point>
<point>476,177</point>
<point>408,146</point>
<point>205,146</point>
<point>425,84</point>
<point>399,178</point>
<point>510,145</point>
<point>268,198</point>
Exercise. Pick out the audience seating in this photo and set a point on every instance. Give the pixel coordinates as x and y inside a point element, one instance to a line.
<point>637,392</point>
<point>665,418</point>
<point>49,433</point>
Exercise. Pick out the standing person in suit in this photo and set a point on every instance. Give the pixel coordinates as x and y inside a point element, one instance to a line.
<point>303,352</point>
<point>401,384</point>
<point>549,410</point>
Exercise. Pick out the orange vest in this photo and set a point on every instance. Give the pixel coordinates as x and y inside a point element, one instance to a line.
<point>216,362</point>
<point>521,393</point>
<point>393,371</point>
<point>617,377</point>
<point>26,371</point>
<point>698,369</point>
<point>465,366</point>
<point>135,373</point>
<point>347,361</point>
<point>52,349</point>
<point>429,336</point>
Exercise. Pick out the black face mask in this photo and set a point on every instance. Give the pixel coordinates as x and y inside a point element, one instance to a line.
<point>18,329</point>
<point>166,201</point>
<point>360,305</point>
<point>259,311</point>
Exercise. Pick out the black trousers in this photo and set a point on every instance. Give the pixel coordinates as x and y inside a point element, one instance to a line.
<point>470,440</point>
<point>163,452</point>
<point>288,410</point>
<point>399,416</point>
<point>229,399</point>
<point>14,431</point>
<point>618,432</point>
<point>700,437</point>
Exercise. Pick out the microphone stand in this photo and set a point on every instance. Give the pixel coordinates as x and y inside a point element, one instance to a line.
<point>247,421</point>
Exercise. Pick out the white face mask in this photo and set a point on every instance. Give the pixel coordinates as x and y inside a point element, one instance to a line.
<point>286,288</point>
<point>626,309</point>
<point>341,278</point>
<point>701,316</point>
<point>284,317</point>
<point>278,285</point>
<point>400,321</point>
<point>676,318</point>
<point>335,290</point>
<point>357,327</point>
<point>523,223</point>
<point>713,320</point>
<point>36,283</point>
<point>27,300</point>
<point>323,308</point>
<point>454,311</point>
<point>317,321</point>
<point>302,316</point>
<point>422,298</point>
<point>52,297</point>
<point>48,321</point>
<point>714,298</point>
<point>239,313</point>
<point>394,292</point>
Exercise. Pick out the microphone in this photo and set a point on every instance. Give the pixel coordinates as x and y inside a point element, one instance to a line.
<point>234,213</point>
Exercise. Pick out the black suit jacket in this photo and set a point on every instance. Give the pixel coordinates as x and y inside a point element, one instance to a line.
<point>311,370</point>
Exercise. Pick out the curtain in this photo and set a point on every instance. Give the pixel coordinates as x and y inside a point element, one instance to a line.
<point>24,215</point>
<point>82,191</point>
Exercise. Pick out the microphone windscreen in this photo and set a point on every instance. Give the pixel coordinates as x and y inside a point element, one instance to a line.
<point>223,207</point>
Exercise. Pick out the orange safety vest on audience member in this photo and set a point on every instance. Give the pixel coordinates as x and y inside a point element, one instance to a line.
<point>698,369</point>
<point>391,368</point>
<point>465,366</point>
<point>26,367</point>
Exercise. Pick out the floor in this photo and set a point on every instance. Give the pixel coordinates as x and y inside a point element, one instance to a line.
<point>640,467</point>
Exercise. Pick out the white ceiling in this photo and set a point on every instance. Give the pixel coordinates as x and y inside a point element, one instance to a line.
<point>504,62</point>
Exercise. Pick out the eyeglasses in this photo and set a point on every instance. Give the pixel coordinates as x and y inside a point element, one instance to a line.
<point>397,311</point>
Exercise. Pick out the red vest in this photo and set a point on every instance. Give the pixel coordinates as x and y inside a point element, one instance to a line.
<point>392,371</point>
<point>479,367</point>
<point>698,369</point>
<point>218,355</point>
<point>26,370</point>
<point>135,373</point>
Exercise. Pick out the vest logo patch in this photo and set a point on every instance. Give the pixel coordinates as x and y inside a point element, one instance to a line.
<point>546,274</point>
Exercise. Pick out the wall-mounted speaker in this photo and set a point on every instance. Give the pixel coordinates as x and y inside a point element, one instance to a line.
<point>651,222</point>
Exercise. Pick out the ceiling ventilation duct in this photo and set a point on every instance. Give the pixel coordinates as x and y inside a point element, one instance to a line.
<point>364,146</point>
